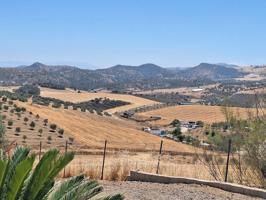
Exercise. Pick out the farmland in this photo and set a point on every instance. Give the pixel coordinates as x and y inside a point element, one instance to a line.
<point>204,113</point>
<point>74,96</point>
<point>91,130</point>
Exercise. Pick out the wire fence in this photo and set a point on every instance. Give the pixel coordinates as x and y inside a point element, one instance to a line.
<point>112,164</point>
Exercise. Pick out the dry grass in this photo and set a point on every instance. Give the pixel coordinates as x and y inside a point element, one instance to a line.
<point>73,96</point>
<point>204,113</point>
<point>8,88</point>
<point>33,137</point>
<point>91,130</point>
<point>181,90</point>
<point>118,166</point>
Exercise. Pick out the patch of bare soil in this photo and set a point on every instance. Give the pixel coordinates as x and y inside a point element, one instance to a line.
<point>155,191</point>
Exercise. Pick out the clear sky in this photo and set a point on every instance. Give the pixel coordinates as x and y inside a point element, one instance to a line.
<point>102,33</point>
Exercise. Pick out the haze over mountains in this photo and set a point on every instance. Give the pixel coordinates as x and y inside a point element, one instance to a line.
<point>146,76</point>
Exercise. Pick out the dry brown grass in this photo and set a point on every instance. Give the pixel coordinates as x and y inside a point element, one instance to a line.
<point>73,96</point>
<point>33,137</point>
<point>92,130</point>
<point>118,166</point>
<point>204,113</point>
<point>180,90</point>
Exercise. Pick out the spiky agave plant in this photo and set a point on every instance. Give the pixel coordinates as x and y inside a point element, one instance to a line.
<point>19,181</point>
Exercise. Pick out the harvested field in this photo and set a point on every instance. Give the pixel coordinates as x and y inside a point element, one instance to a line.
<point>181,90</point>
<point>74,96</point>
<point>92,130</point>
<point>8,88</point>
<point>204,113</point>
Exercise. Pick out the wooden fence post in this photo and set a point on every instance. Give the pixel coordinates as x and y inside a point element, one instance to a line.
<point>228,159</point>
<point>159,157</point>
<point>65,153</point>
<point>40,150</point>
<point>104,152</point>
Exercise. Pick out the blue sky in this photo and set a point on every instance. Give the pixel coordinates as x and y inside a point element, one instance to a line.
<point>98,33</point>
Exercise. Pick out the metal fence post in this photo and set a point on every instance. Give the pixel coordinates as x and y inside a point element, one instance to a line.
<point>65,153</point>
<point>228,159</point>
<point>104,152</point>
<point>159,157</point>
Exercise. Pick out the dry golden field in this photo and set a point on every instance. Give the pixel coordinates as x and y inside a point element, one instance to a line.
<point>181,90</point>
<point>31,136</point>
<point>118,165</point>
<point>204,113</point>
<point>91,130</point>
<point>74,96</point>
<point>9,88</point>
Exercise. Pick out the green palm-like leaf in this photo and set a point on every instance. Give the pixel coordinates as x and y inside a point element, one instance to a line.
<point>63,187</point>
<point>21,172</point>
<point>115,197</point>
<point>46,170</point>
<point>18,156</point>
<point>19,182</point>
<point>3,169</point>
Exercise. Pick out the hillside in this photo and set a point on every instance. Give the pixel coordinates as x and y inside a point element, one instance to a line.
<point>72,96</point>
<point>208,114</point>
<point>92,130</point>
<point>119,77</point>
<point>212,71</point>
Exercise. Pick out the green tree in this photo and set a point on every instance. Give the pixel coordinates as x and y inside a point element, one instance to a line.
<point>175,123</point>
<point>45,121</point>
<point>26,119</point>
<point>10,123</point>
<point>32,125</point>
<point>18,129</point>
<point>40,132</point>
<point>53,127</point>
<point>20,180</point>
<point>177,131</point>
<point>24,138</point>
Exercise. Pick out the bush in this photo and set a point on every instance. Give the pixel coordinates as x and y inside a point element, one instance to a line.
<point>61,131</point>
<point>17,130</point>
<point>10,123</point>
<point>29,90</point>
<point>32,125</point>
<point>45,121</point>
<point>24,138</point>
<point>26,119</point>
<point>53,127</point>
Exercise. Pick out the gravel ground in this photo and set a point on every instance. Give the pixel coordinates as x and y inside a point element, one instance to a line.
<point>154,191</point>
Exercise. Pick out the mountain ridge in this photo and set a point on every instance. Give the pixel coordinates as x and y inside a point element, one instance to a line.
<point>145,76</point>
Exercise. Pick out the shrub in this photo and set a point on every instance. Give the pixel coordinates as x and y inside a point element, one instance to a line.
<point>61,131</point>
<point>45,121</point>
<point>6,107</point>
<point>71,140</point>
<point>32,125</point>
<point>10,123</point>
<point>24,138</point>
<point>17,130</point>
<point>26,120</point>
<point>49,138</point>
<point>53,127</point>
<point>40,131</point>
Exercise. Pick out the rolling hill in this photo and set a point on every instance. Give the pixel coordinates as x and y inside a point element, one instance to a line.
<point>119,77</point>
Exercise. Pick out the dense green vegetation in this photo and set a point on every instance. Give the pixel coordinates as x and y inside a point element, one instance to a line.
<point>30,90</point>
<point>98,104</point>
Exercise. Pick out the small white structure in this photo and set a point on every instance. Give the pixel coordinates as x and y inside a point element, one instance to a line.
<point>197,90</point>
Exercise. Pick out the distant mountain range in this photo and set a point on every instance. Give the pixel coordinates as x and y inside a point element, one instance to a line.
<point>146,76</point>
